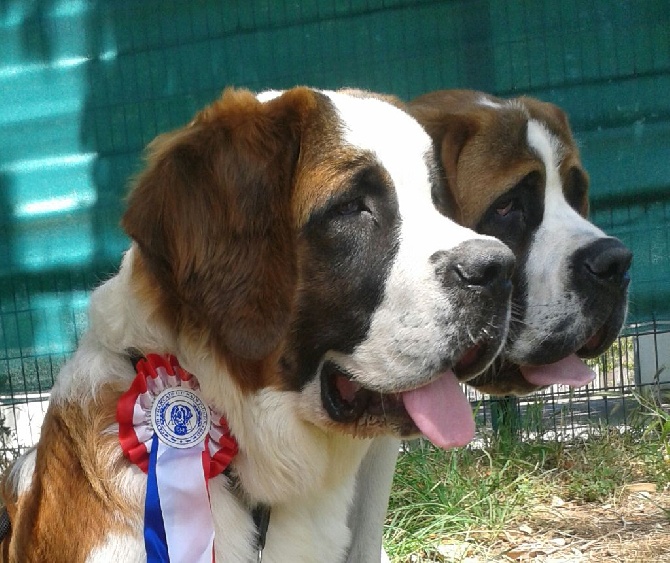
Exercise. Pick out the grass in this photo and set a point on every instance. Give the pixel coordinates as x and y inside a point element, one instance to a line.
<point>473,494</point>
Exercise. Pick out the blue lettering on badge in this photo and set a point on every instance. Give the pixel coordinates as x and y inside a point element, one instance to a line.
<point>180,417</point>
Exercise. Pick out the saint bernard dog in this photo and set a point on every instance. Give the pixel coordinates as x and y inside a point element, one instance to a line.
<point>287,253</point>
<point>512,171</point>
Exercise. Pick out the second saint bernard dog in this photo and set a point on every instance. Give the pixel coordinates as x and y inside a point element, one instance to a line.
<point>289,265</point>
<point>512,170</point>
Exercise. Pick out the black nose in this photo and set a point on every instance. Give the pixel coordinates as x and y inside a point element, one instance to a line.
<point>478,263</point>
<point>604,262</point>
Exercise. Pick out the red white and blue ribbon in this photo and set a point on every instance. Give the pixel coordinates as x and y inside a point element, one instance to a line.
<point>168,431</point>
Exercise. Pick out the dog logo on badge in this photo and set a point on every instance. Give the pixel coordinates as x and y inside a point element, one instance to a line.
<point>180,417</point>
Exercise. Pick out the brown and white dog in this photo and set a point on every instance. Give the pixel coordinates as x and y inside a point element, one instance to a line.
<point>512,170</point>
<point>286,249</point>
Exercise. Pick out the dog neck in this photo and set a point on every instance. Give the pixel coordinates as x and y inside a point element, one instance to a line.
<point>281,455</point>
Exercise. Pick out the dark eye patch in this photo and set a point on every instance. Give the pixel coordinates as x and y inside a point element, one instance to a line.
<point>348,247</point>
<point>365,187</point>
<point>575,187</point>
<point>513,216</point>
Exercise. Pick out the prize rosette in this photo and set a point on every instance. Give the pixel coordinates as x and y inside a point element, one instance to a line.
<point>170,433</point>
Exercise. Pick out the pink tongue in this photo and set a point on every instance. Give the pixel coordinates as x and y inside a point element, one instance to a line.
<point>442,412</point>
<point>568,371</point>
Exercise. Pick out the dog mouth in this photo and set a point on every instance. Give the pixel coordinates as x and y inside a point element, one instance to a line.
<point>514,377</point>
<point>345,400</point>
<point>439,409</point>
<point>474,361</point>
<point>596,344</point>
<point>569,367</point>
<point>570,370</point>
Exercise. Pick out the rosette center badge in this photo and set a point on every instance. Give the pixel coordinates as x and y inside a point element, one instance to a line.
<point>180,417</point>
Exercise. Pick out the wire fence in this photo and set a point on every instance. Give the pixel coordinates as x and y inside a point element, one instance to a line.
<point>86,84</point>
<point>638,364</point>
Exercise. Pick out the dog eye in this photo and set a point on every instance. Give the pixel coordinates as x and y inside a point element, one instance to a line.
<point>351,207</point>
<point>503,209</point>
<point>508,208</point>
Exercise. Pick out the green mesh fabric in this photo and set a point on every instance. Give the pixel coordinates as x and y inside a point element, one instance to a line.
<point>85,84</point>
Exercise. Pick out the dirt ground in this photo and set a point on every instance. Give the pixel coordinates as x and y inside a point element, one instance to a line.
<point>634,528</point>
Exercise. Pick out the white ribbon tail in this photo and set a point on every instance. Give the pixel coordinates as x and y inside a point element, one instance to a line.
<point>187,515</point>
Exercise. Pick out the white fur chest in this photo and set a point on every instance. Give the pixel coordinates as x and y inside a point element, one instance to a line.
<point>308,529</point>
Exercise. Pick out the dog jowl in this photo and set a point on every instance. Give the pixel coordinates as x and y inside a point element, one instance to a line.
<point>513,171</point>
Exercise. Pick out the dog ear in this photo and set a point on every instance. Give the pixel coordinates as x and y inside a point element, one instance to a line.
<point>212,217</point>
<point>450,130</point>
<point>458,130</point>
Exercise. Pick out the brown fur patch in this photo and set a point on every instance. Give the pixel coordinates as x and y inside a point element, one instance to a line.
<point>212,215</point>
<point>484,150</point>
<point>326,167</point>
<point>74,500</point>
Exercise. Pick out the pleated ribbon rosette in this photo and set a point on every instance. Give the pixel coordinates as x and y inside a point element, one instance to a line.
<point>168,431</point>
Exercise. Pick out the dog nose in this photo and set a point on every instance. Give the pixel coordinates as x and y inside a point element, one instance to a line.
<point>605,262</point>
<point>478,263</point>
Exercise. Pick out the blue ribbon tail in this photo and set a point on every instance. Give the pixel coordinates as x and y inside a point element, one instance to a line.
<point>155,542</point>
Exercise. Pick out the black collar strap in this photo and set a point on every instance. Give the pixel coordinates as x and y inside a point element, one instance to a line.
<point>261,516</point>
<point>134,355</point>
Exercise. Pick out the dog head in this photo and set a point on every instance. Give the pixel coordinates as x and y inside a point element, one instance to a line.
<point>513,171</point>
<point>292,237</point>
